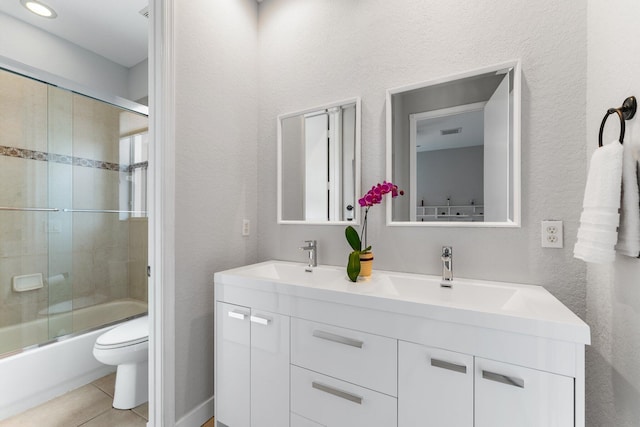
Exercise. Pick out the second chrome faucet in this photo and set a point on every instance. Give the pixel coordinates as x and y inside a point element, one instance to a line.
<point>447,266</point>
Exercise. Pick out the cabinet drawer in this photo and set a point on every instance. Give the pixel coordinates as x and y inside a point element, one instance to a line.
<point>334,403</point>
<point>513,396</point>
<point>364,359</point>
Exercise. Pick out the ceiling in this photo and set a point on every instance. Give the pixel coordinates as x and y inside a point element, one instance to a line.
<point>429,135</point>
<point>114,29</point>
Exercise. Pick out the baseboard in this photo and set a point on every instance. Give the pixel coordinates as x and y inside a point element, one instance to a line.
<point>197,416</point>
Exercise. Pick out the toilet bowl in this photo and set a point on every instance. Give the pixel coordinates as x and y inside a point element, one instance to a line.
<point>127,347</point>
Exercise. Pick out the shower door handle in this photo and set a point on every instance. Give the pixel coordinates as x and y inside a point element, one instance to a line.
<point>9,208</point>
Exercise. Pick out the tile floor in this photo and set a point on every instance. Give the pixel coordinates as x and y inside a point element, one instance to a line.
<point>87,406</point>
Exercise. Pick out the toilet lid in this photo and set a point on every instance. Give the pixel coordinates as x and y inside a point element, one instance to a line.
<point>132,332</point>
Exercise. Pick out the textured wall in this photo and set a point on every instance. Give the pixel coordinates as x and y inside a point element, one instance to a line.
<point>613,291</point>
<point>216,110</point>
<point>317,51</point>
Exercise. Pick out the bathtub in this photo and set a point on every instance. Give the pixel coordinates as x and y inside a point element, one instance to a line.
<point>36,375</point>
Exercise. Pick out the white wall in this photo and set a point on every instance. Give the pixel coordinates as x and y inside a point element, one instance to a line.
<point>216,122</point>
<point>315,51</point>
<point>613,291</point>
<point>460,170</point>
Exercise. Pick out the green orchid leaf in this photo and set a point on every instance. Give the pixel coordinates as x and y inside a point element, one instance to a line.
<point>367,249</point>
<point>353,267</point>
<point>352,238</point>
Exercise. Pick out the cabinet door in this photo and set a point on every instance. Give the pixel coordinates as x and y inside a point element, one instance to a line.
<point>269,369</point>
<point>233,354</point>
<point>435,387</point>
<point>513,396</point>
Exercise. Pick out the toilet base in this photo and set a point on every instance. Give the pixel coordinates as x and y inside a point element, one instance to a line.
<point>132,385</point>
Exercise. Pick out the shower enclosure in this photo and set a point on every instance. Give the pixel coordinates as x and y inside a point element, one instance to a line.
<point>73,221</point>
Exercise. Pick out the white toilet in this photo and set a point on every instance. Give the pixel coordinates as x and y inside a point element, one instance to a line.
<point>127,346</point>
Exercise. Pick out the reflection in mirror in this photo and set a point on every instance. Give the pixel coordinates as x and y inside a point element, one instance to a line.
<point>454,145</point>
<point>319,164</point>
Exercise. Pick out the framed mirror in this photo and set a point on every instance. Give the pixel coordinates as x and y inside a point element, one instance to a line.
<point>453,146</point>
<point>319,164</point>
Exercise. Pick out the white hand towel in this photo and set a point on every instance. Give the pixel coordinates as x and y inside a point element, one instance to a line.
<point>629,230</point>
<point>598,223</point>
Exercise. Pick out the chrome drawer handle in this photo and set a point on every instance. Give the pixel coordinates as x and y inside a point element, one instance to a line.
<point>260,320</point>
<point>504,379</point>
<point>236,315</point>
<point>448,365</point>
<point>337,338</point>
<point>339,393</point>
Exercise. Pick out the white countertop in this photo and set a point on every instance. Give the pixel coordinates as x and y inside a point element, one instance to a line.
<point>512,307</point>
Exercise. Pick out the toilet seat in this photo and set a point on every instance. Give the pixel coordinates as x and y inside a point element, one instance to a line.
<point>133,332</point>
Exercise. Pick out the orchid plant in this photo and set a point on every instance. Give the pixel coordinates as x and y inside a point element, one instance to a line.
<point>371,198</point>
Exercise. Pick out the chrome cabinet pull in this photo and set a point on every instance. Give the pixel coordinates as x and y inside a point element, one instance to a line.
<point>448,365</point>
<point>237,315</point>
<point>504,379</point>
<point>260,320</point>
<point>337,338</point>
<point>339,393</point>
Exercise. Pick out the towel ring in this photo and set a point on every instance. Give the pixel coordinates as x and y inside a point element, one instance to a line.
<point>626,112</point>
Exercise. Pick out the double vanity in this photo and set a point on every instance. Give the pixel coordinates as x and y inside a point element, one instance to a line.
<point>312,349</point>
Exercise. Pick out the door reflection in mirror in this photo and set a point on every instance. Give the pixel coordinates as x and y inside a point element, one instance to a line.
<point>318,164</point>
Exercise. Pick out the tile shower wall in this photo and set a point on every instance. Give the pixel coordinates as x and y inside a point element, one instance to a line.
<point>53,142</point>
<point>100,241</point>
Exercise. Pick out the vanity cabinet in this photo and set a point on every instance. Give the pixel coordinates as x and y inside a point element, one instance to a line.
<point>252,367</point>
<point>327,353</point>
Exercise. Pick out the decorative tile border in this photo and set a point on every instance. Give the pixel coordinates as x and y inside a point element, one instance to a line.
<point>23,153</point>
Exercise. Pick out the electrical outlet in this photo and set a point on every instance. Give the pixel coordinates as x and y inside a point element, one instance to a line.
<point>246,226</point>
<point>552,234</point>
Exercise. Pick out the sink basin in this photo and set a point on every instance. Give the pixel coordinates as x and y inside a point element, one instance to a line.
<point>295,273</point>
<point>428,290</point>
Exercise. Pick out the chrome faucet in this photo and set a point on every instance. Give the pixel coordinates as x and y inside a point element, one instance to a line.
<point>312,247</point>
<point>447,266</point>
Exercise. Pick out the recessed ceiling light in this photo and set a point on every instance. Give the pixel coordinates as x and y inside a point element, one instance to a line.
<point>39,9</point>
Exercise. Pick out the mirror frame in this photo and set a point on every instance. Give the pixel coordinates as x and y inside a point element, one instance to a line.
<point>516,192</point>
<point>357,147</point>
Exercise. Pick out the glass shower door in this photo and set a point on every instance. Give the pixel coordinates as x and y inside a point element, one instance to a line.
<point>59,227</point>
<point>25,212</point>
<point>73,221</point>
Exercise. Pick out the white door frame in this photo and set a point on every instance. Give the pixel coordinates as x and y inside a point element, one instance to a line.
<point>161,214</point>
